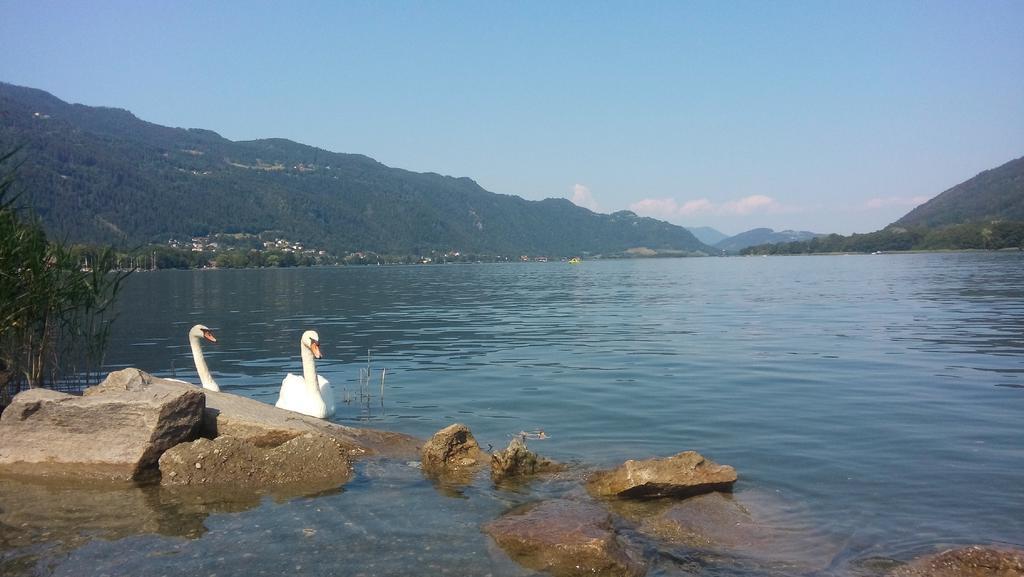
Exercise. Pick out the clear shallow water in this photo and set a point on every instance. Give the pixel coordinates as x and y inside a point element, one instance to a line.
<point>883,396</point>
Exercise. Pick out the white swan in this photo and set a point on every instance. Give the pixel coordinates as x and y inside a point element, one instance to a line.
<point>309,394</point>
<point>195,337</point>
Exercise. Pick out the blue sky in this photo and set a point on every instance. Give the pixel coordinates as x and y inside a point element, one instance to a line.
<point>821,115</point>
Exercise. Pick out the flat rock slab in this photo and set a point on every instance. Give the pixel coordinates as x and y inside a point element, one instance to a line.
<point>118,436</point>
<point>564,538</point>
<point>236,416</point>
<point>966,562</point>
<point>452,453</point>
<point>683,475</point>
<point>310,459</point>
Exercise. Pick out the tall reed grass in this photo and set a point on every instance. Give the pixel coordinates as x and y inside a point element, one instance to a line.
<point>55,314</point>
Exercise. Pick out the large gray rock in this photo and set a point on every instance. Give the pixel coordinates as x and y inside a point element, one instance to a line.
<point>235,416</point>
<point>518,462</point>
<point>966,562</point>
<point>313,460</point>
<point>452,453</point>
<point>564,538</point>
<point>119,436</point>
<point>682,475</point>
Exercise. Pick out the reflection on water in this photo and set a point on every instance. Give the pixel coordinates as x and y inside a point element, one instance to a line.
<point>883,394</point>
<point>388,521</point>
<point>59,516</point>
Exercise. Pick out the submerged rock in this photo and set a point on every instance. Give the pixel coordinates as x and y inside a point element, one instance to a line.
<point>264,424</point>
<point>564,538</point>
<point>118,436</point>
<point>309,459</point>
<point>518,461</point>
<point>452,452</point>
<point>749,525</point>
<point>683,475</point>
<point>972,561</point>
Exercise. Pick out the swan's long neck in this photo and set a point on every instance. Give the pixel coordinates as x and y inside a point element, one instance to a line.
<point>309,371</point>
<point>204,372</point>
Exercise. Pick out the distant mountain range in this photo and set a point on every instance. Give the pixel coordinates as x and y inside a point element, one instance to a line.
<point>762,236</point>
<point>98,174</point>
<point>707,235</point>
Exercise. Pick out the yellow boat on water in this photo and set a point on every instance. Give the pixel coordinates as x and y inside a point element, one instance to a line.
<point>575,260</point>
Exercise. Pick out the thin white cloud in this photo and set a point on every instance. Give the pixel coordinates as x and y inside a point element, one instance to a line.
<point>581,196</point>
<point>656,207</point>
<point>696,206</point>
<point>750,204</point>
<point>669,207</point>
<point>884,202</point>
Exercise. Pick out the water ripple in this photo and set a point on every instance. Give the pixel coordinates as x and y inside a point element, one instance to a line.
<point>873,390</point>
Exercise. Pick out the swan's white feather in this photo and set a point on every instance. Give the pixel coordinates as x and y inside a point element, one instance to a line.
<point>294,397</point>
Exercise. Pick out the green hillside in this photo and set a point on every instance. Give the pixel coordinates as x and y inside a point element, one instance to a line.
<point>102,175</point>
<point>996,194</point>
<point>985,212</point>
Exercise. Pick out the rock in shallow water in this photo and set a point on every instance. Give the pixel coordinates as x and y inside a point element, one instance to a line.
<point>564,538</point>
<point>242,417</point>
<point>310,459</point>
<point>682,475</point>
<point>966,562</point>
<point>118,436</point>
<point>517,461</point>
<point>453,453</point>
<point>750,525</point>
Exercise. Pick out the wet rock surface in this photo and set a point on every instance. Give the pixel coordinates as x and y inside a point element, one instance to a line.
<point>452,453</point>
<point>682,475</point>
<point>118,436</point>
<point>972,561</point>
<point>564,538</point>
<point>232,415</point>
<point>309,459</point>
<point>518,462</point>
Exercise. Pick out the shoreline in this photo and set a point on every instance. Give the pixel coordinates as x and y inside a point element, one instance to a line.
<point>749,523</point>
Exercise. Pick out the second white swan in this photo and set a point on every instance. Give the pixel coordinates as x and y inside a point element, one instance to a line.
<point>309,394</point>
<point>195,337</point>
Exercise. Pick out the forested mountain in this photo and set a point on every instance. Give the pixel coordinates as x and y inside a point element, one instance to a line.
<point>762,236</point>
<point>102,175</point>
<point>984,212</point>
<point>996,194</point>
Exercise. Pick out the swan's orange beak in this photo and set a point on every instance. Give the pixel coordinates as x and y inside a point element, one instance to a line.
<point>315,347</point>
<point>208,335</point>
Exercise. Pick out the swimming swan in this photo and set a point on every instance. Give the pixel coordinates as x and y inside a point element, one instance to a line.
<point>309,394</point>
<point>195,337</point>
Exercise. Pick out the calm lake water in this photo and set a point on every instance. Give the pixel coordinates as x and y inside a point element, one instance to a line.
<point>879,398</point>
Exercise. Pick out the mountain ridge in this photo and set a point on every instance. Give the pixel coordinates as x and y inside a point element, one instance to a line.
<point>707,235</point>
<point>101,174</point>
<point>985,212</point>
<point>757,236</point>
<point>993,194</point>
